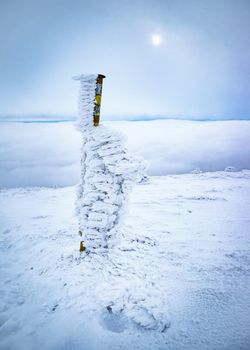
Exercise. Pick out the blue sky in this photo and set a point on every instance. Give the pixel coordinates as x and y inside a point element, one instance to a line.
<point>200,70</point>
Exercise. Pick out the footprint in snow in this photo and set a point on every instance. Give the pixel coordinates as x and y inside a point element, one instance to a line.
<point>114,322</point>
<point>141,307</point>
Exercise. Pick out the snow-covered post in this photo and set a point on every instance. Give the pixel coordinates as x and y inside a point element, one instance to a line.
<point>107,171</point>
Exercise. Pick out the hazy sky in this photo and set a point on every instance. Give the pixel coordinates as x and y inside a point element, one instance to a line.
<point>201,67</point>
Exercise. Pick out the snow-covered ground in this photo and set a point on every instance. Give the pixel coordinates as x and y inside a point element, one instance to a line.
<point>179,279</point>
<point>47,154</point>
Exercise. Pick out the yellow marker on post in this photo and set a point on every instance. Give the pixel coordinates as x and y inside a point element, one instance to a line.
<point>82,247</point>
<point>98,99</point>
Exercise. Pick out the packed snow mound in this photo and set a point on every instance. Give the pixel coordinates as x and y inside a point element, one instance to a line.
<point>108,173</point>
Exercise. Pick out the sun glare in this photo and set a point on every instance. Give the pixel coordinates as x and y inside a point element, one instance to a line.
<point>156,39</point>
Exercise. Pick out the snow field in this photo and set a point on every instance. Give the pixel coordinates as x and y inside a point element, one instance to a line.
<point>178,279</point>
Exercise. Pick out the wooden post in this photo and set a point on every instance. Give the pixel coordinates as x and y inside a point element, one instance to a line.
<point>98,99</point>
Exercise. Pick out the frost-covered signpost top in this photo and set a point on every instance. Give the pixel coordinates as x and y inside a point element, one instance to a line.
<point>90,99</point>
<point>107,171</point>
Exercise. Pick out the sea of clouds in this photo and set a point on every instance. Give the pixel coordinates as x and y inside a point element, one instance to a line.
<point>48,154</point>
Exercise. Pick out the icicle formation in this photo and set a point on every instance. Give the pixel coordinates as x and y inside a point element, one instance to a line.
<point>107,174</point>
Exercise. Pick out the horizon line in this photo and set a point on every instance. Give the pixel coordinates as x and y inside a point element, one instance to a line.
<point>67,118</point>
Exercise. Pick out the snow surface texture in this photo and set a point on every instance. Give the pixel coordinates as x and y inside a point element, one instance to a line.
<point>107,174</point>
<point>47,154</point>
<point>179,279</point>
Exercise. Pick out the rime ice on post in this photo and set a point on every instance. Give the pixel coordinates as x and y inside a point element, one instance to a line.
<point>107,171</point>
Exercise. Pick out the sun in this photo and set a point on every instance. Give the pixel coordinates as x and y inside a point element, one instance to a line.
<point>156,39</point>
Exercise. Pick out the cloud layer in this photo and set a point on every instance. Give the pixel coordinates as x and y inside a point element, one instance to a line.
<point>47,154</point>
